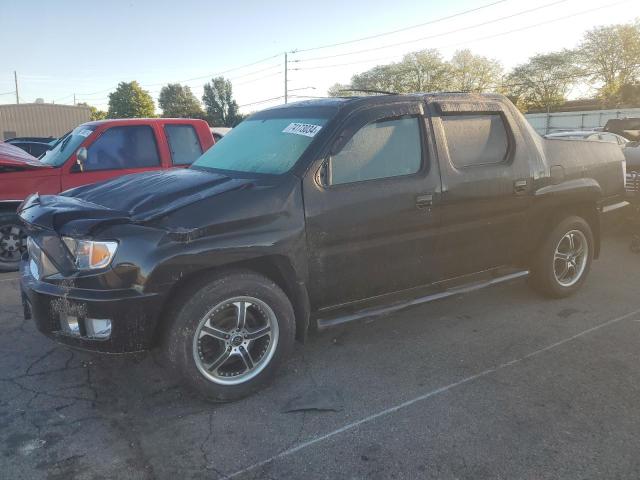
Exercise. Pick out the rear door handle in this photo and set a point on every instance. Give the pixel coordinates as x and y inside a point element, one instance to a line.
<point>520,186</point>
<point>424,201</point>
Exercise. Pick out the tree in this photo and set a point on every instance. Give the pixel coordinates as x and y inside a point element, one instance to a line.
<point>544,81</point>
<point>612,56</point>
<point>221,108</point>
<point>427,71</point>
<point>178,101</point>
<point>129,100</point>
<point>473,73</point>
<point>340,90</point>
<point>416,72</point>
<point>95,113</point>
<point>423,71</point>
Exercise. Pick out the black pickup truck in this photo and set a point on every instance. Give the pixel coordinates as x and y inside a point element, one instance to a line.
<point>309,215</point>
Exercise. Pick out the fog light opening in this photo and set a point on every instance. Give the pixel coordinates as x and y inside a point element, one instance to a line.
<point>98,328</point>
<point>70,325</point>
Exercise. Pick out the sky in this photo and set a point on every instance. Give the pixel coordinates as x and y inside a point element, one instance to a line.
<point>63,47</point>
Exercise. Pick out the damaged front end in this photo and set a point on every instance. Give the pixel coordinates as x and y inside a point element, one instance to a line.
<point>69,285</point>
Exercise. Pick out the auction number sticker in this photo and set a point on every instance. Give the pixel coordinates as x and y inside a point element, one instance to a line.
<point>306,129</point>
<point>85,133</point>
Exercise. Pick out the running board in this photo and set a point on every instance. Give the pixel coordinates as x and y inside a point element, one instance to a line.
<point>324,323</point>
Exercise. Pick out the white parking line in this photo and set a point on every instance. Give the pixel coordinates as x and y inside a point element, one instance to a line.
<point>426,396</point>
<point>12,279</point>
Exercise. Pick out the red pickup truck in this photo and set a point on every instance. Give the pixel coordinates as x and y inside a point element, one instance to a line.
<point>92,152</point>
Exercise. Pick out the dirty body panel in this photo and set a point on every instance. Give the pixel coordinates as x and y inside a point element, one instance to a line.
<point>332,244</point>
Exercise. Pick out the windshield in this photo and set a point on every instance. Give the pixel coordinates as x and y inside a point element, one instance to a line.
<point>66,145</point>
<point>263,144</point>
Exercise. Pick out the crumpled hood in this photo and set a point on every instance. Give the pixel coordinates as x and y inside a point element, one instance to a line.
<point>134,198</point>
<point>145,196</point>
<point>14,158</point>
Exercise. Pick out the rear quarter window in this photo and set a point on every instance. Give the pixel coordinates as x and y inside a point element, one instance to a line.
<point>183,143</point>
<point>474,140</point>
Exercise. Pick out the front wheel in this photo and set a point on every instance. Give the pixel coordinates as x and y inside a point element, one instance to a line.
<point>228,337</point>
<point>13,241</point>
<point>564,259</point>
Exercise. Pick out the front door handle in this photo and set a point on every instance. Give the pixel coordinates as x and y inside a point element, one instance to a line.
<point>424,201</point>
<point>520,186</point>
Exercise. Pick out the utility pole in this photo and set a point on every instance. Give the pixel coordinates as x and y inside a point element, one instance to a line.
<point>15,79</point>
<point>74,98</point>
<point>286,85</point>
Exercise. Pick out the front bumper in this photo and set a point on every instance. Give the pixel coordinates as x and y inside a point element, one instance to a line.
<point>134,316</point>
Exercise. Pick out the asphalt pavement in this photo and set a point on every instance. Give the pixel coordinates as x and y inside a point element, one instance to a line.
<point>498,383</point>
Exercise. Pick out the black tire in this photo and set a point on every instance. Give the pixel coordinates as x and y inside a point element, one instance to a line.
<point>181,349</point>
<point>546,268</point>
<point>11,231</point>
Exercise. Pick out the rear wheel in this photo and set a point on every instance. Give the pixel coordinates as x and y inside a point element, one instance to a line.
<point>564,259</point>
<point>13,241</point>
<point>228,338</point>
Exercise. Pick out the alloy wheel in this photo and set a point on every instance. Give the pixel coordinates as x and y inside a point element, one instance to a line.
<point>235,340</point>
<point>13,242</point>
<point>570,258</point>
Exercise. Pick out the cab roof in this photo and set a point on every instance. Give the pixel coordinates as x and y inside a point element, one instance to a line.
<point>340,102</point>
<point>143,121</point>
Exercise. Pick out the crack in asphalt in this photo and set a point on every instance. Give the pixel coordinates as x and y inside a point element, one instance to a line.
<point>205,456</point>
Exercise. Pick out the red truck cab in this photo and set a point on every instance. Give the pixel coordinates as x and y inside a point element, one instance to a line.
<point>93,152</point>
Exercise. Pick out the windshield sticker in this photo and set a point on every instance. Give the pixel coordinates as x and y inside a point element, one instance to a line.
<point>85,133</point>
<point>306,129</point>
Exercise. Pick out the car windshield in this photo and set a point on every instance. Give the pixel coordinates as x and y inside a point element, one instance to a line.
<point>66,145</point>
<point>268,143</point>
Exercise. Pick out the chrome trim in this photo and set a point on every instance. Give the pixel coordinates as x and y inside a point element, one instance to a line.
<point>384,310</point>
<point>615,206</point>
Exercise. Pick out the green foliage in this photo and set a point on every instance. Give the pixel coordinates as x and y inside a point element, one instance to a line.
<point>473,73</point>
<point>612,56</point>
<point>544,81</point>
<point>427,71</point>
<point>423,71</point>
<point>221,108</point>
<point>129,100</point>
<point>95,113</point>
<point>608,59</point>
<point>177,101</point>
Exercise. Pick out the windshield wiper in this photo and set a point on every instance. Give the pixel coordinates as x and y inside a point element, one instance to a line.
<point>64,143</point>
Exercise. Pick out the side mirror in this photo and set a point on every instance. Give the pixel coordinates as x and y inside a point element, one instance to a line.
<point>323,173</point>
<point>81,157</point>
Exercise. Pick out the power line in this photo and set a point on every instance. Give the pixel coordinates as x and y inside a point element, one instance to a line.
<point>260,78</point>
<point>261,101</point>
<point>457,30</point>
<point>391,32</point>
<point>583,12</point>
<point>478,39</point>
<point>156,92</point>
<point>185,80</point>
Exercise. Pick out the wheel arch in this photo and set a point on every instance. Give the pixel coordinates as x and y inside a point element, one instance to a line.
<point>277,268</point>
<point>587,210</point>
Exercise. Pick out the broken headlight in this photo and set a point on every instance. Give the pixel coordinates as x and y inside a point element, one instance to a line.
<point>89,254</point>
<point>40,264</point>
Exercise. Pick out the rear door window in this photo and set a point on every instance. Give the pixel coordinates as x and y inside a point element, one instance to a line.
<point>382,149</point>
<point>121,148</point>
<point>183,143</point>
<point>475,140</point>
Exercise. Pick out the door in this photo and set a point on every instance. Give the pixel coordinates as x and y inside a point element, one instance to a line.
<point>118,150</point>
<point>184,145</point>
<point>486,187</point>
<point>370,207</point>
